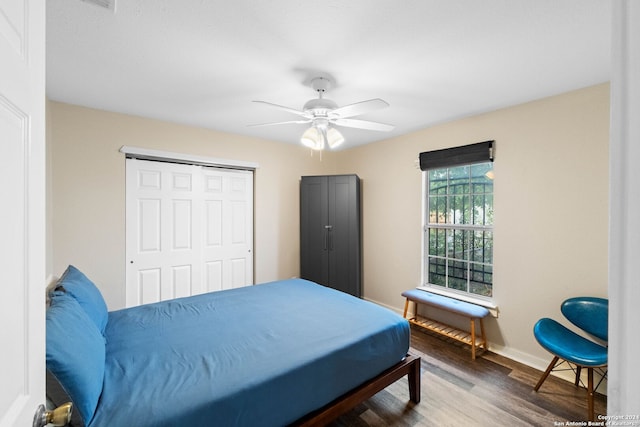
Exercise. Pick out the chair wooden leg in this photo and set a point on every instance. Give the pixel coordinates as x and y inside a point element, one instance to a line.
<point>547,372</point>
<point>590,394</point>
<point>578,372</point>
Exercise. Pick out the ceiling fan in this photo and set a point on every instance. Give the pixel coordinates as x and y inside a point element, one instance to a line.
<point>324,115</point>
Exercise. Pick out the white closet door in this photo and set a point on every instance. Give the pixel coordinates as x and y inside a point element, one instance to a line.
<point>227,250</point>
<point>184,228</point>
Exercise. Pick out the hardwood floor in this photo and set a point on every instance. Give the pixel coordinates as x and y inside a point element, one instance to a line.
<point>456,391</point>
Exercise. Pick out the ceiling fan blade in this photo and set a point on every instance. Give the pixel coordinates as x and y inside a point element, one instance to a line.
<point>280,123</point>
<point>282,107</point>
<point>363,124</point>
<point>360,108</point>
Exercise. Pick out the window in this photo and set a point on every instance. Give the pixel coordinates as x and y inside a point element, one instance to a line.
<point>458,216</point>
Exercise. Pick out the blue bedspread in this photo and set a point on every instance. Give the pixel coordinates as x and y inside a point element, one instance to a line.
<point>263,355</point>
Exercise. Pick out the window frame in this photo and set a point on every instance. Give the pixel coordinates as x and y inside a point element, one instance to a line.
<point>465,295</point>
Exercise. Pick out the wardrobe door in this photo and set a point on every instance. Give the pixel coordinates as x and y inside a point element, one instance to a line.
<point>330,231</point>
<point>344,234</point>
<point>313,232</point>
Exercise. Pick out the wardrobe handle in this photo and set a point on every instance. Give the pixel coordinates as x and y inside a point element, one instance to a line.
<point>327,237</point>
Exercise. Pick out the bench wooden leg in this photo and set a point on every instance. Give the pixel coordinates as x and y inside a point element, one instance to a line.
<point>473,339</point>
<point>406,307</point>
<point>482,334</point>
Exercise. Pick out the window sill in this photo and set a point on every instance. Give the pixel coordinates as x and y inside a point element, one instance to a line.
<point>493,308</point>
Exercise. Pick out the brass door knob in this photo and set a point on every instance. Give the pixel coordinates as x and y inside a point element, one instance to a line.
<point>61,416</point>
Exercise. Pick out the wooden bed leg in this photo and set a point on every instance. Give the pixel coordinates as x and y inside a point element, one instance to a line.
<point>414,381</point>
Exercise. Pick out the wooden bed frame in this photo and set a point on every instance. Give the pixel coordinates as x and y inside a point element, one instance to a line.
<point>409,366</point>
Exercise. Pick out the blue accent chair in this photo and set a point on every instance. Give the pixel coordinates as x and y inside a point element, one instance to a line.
<point>589,314</point>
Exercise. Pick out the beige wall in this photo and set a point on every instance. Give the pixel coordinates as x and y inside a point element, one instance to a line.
<point>88,190</point>
<point>551,193</point>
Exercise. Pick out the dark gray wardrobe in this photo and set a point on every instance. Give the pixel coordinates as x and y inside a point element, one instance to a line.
<point>330,232</point>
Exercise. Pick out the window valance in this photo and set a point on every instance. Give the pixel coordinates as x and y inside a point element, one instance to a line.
<point>472,153</point>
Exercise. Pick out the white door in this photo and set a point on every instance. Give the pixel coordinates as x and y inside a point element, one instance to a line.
<point>189,230</point>
<point>227,227</point>
<point>22,191</point>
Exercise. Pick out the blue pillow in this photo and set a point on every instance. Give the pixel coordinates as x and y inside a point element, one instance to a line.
<point>75,353</point>
<point>87,294</point>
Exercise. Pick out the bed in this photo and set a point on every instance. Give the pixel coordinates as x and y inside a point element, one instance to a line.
<point>290,352</point>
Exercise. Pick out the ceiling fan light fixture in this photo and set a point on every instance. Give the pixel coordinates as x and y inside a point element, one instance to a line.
<point>312,138</point>
<point>334,138</point>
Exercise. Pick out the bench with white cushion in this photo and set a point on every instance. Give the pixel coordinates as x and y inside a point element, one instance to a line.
<point>472,311</point>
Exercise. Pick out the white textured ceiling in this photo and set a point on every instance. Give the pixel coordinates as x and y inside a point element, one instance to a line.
<point>202,62</point>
